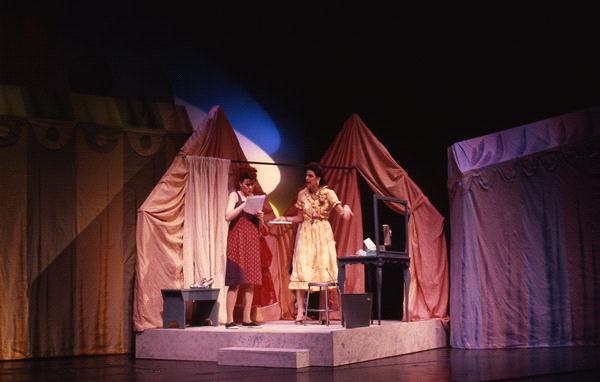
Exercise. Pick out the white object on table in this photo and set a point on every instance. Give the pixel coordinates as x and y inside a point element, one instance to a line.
<point>369,244</point>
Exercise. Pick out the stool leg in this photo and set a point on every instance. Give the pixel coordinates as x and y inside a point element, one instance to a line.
<point>327,304</point>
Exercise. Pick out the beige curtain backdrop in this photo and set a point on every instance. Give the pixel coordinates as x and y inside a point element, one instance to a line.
<point>14,307</point>
<point>69,191</point>
<point>205,229</point>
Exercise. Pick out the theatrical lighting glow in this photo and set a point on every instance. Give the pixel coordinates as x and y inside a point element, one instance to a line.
<point>275,210</point>
<point>204,85</point>
<point>268,175</point>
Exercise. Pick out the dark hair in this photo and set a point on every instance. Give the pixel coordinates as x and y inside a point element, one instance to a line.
<point>318,170</point>
<point>246,172</point>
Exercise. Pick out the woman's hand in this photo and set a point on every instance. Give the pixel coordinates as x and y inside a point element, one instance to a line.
<point>260,215</point>
<point>347,212</point>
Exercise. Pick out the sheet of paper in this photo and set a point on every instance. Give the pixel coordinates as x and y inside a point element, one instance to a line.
<point>254,204</point>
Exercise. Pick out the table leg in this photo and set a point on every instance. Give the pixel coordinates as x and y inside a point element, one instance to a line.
<point>406,291</point>
<point>341,281</point>
<point>378,277</point>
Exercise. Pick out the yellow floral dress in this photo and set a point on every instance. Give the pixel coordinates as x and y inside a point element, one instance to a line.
<point>315,258</point>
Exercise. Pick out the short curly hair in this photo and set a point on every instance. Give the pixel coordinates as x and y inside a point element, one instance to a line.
<point>246,172</point>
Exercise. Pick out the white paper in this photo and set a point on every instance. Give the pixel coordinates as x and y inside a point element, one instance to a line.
<point>254,204</point>
<point>369,244</point>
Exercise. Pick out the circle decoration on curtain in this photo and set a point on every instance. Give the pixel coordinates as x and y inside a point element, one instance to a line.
<point>101,138</point>
<point>145,143</point>
<point>11,129</point>
<point>53,135</point>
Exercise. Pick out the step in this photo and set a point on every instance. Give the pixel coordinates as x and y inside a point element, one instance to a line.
<point>266,357</point>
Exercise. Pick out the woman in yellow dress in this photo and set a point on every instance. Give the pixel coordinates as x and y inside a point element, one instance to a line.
<point>315,258</point>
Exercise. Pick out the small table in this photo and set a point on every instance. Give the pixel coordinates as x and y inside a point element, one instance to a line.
<point>174,303</point>
<point>379,260</point>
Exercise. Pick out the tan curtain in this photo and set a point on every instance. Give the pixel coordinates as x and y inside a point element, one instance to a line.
<point>68,195</point>
<point>100,292</point>
<point>14,307</point>
<point>205,228</point>
<point>159,238</point>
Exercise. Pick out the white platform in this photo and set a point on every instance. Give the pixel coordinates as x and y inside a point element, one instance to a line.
<point>327,345</point>
<point>265,357</point>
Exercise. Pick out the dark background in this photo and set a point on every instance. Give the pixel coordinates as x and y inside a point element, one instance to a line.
<point>422,77</point>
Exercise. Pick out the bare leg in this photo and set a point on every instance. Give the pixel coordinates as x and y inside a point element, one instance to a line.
<point>300,303</point>
<point>231,299</point>
<point>248,296</point>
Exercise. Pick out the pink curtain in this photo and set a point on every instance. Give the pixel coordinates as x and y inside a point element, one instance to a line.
<point>161,218</point>
<point>160,222</point>
<point>356,147</point>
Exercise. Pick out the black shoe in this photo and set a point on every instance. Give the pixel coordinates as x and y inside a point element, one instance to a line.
<point>251,324</point>
<point>231,325</point>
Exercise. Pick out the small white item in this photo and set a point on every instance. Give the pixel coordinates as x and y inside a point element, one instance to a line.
<point>279,222</point>
<point>254,204</point>
<point>369,244</point>
<point>360,252</point>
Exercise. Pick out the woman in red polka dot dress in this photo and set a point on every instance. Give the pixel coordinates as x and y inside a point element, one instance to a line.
<point>243,251</point>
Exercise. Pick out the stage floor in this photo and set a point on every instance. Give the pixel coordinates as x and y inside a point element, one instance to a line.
<point>331,345</point>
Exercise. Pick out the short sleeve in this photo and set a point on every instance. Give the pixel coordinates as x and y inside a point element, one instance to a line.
<point>299,205</point>
<point>333,198</point>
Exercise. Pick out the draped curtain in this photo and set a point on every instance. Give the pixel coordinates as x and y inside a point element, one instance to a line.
<point>171,254</point>
<point>69,190</point>
<point>205,228</point>
<point>356,147</point>
<point>526,236</point>
<point>355,151</point>
<point>68,193</point>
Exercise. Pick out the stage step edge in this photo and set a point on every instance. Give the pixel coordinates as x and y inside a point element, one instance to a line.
<point>265,357</point>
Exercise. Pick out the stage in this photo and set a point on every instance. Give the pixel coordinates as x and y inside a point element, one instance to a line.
<point>283,344</point>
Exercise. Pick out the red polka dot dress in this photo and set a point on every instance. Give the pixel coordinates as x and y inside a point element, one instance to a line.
<point>243,250</point>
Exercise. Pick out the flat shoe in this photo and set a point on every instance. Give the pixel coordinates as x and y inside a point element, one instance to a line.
<point>300,321</point>
<point>251,324</point>
<point>231,325</point>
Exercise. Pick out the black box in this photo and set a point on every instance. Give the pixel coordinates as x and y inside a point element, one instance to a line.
<point>356,308</point>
